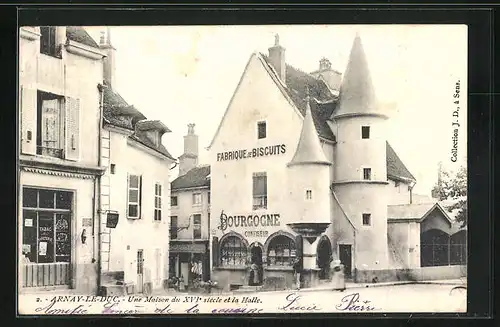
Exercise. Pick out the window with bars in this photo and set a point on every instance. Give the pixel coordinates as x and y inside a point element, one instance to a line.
<point>281,251</point>
<point>173,227</point>
<point>48,43</point>
<point>134,196</point>
<point>259,191</point>
<point>367,174</point>
<point>233,252</point>
<point>261,130</point>
<point>46,229</point>
<point>158,202</point>
<point>197,226</point>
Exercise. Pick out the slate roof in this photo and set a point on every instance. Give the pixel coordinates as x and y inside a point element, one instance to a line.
<point>323,106</point>
<point>196,177</point>
<point>296,82</point>
<point>78,34</point>
<point>395,167</point>
<point>117,112</point>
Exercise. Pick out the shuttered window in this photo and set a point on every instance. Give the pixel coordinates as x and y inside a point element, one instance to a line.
<point>158,202</point>
<point>28,118</point>
<point>259,191</point>
<point>50,124</point>
<point>134,196</point>
<point>48,40</point>
<point>197,226</point>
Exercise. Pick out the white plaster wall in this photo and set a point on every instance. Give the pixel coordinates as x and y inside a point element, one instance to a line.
<point>145,233</point>
<point>399,194</point>
<point>185,209</point>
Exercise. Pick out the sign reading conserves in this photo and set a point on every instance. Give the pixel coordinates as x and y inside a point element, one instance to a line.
<point>270,150</point>
<point>248,221</point>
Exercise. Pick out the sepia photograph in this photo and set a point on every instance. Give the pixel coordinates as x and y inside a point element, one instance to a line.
<point>238,169</point>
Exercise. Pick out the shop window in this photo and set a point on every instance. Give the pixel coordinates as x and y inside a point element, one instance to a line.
<point>134,196</point>
<point>259,191</point>
<point>46,226</point>
<point>173,201</point>
<point>173,227</point>
<point>367,219</point>
<point>365,132</point>
<point>233,252</point>
<point>197,226</point>
<point>48,43</point>
<point>261,130</point>
<point>50,125</point>
<point>281,251</point>
<point>367,174</point>
<point>158,196</point>
<point>196,199</point>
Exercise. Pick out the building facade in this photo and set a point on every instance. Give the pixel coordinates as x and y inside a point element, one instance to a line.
<point>134,193</point>
<point>190,216</point>
<point>301,169</point>
<point>59,115</point>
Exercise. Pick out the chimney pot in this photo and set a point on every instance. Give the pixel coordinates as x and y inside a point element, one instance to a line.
<point>277,58</point>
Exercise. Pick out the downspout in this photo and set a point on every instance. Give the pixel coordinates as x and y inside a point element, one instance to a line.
<point>100,87</point>
<point>412,185</point>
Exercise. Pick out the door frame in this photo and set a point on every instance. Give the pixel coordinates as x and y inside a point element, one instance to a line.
<point>351,273</point>
<point>140,275</point>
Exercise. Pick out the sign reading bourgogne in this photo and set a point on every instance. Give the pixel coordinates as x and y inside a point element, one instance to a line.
<point>264,220</point>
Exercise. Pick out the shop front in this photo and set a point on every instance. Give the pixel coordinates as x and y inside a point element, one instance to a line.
<point>56,233</point>
<point>189,261</point>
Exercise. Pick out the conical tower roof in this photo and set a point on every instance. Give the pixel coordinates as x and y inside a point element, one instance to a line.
<point>309,149</point>
<point>357,94</point>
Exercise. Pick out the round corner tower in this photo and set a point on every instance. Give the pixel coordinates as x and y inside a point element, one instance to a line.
<point>360,181</point>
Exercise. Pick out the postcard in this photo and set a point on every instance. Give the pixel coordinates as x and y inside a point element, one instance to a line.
<point>242,169</point>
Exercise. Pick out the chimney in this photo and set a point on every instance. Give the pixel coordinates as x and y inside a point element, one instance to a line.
<point>189,158</point>
<point>330,76</point>
<point>277,58</point>
<point>109,61</point>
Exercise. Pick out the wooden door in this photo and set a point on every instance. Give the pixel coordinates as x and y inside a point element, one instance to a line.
<point>345,256</point>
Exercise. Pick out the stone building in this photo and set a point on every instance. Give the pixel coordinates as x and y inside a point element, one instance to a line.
<point>59,165</point>
<point>301,168</point>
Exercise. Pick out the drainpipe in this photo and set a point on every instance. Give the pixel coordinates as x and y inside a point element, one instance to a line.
<point>100,87</point>
<point>412,185</point>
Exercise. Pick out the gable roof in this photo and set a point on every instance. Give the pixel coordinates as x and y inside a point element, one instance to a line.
<point>79,34</point>
<point>322,103</point>
<point>395,167</point>
<point>414,212</point>
<point>196,177</point>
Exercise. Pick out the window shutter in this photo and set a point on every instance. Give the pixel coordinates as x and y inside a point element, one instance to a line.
<point>139,214</point>
<point>72,150</point>
<point>127,190</point>
<point>28,115</point>
<point>215,251</point>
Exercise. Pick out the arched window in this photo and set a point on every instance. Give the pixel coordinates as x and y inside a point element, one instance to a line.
<point>458,248</point>
<point>434,248</point>
<point>233,251</point>
<point>281,251</point>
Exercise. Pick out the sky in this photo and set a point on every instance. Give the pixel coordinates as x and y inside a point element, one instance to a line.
<point>187,74</point>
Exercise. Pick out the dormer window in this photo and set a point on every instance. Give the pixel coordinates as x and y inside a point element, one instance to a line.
<point>261,130</point>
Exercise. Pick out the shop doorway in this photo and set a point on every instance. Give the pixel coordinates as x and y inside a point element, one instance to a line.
<point>140,271</point>
<point>324,253</point>
<point>257,270</point>
<point>345,256</point>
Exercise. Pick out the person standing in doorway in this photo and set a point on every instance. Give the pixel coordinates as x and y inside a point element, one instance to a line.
<point>297,270</point>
